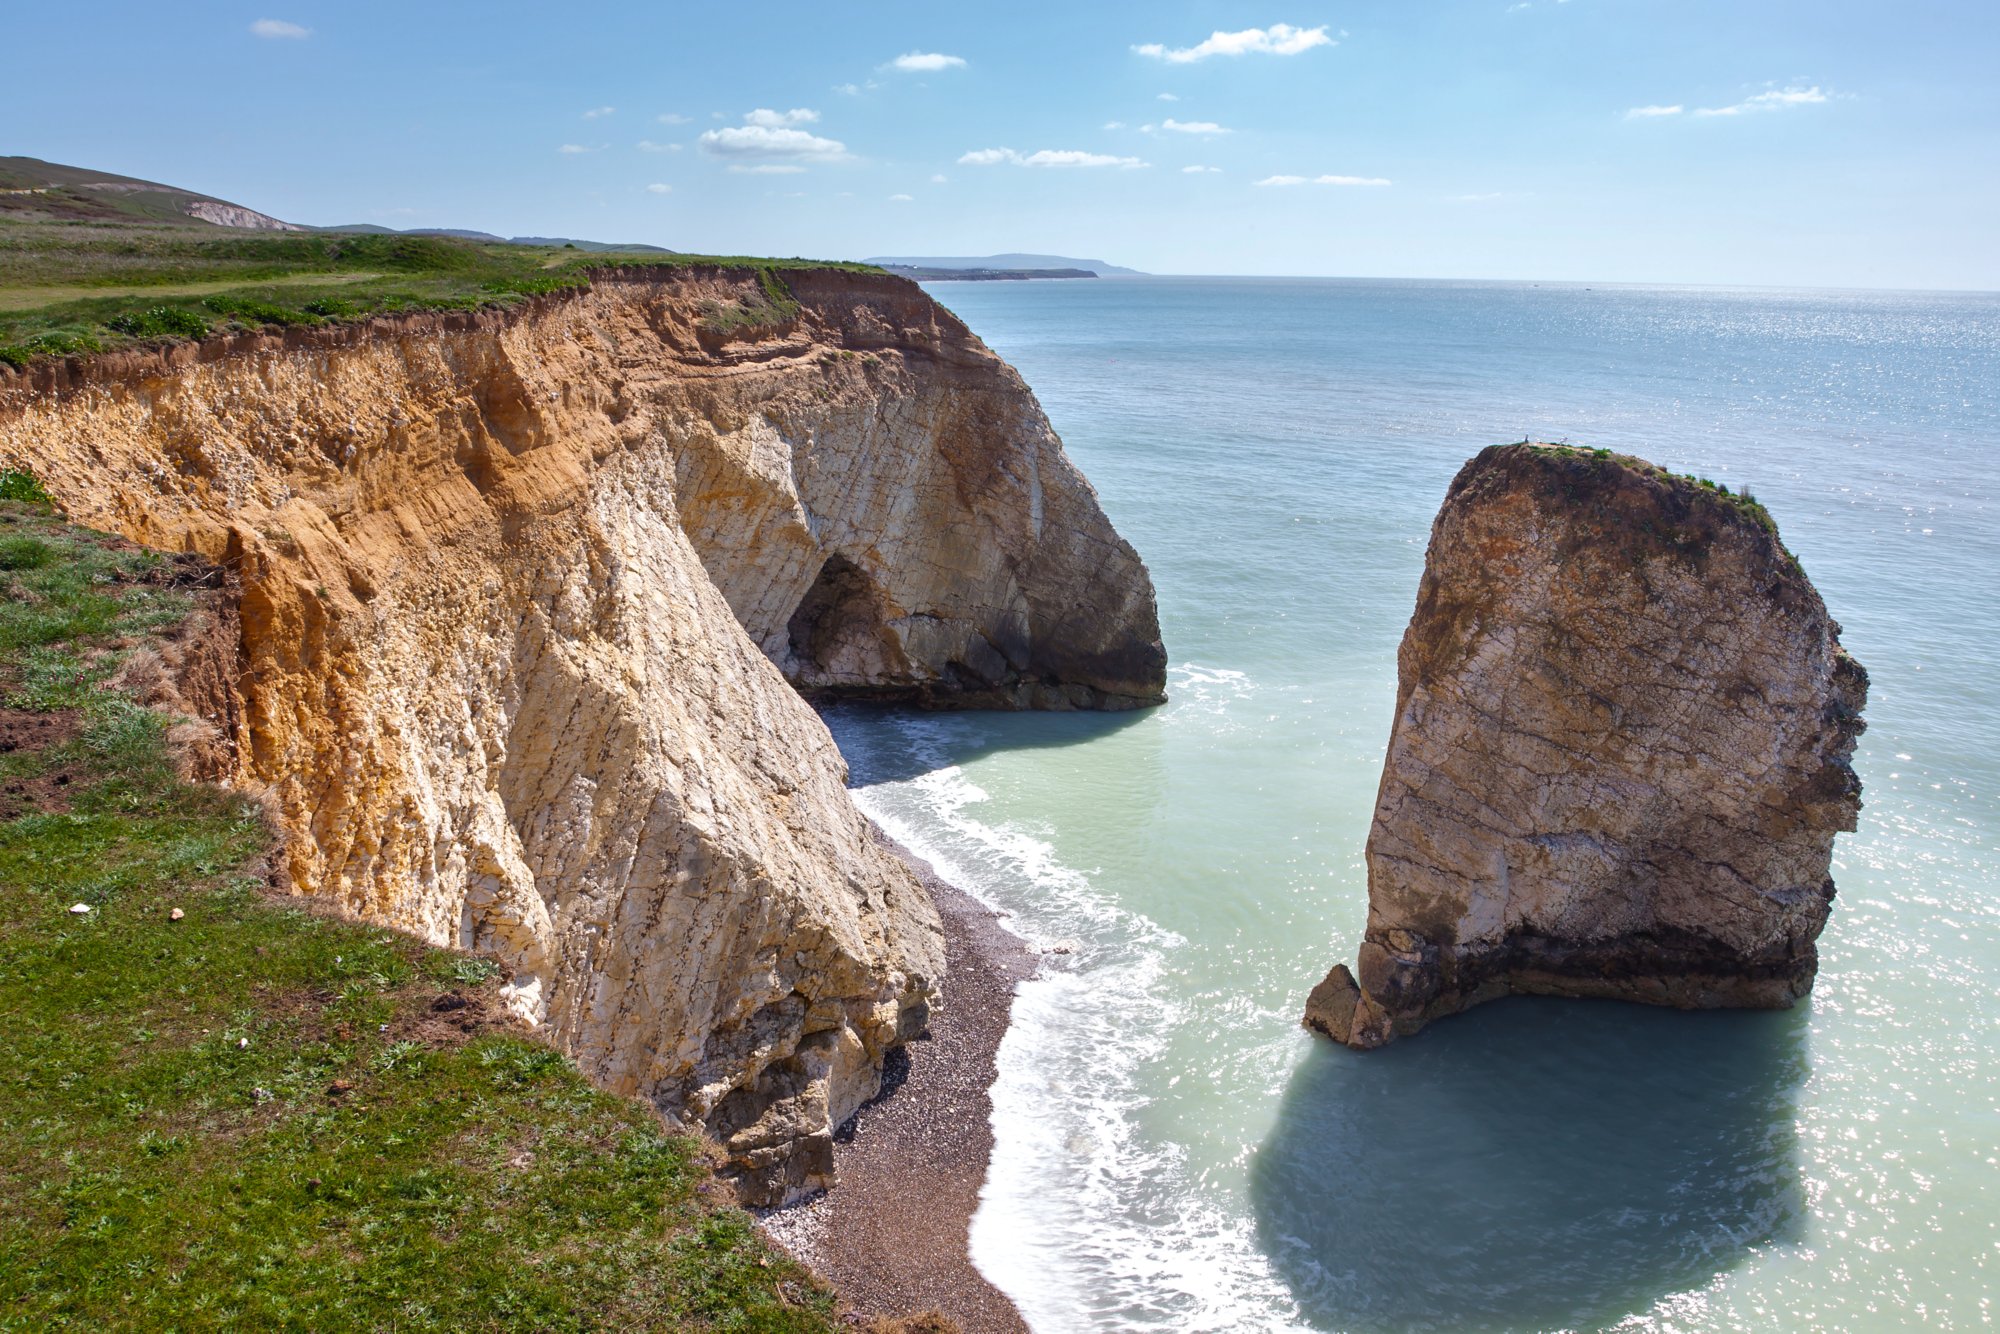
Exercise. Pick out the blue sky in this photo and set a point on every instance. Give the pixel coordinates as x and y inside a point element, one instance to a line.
<point>1827,144</point>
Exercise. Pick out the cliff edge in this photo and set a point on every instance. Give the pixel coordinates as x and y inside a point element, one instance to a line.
<point>524,599</point>
<point>1620,756</point>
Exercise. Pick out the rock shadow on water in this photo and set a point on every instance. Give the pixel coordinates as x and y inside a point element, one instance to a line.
<point>1533,1164</point>
<point>972,735</point>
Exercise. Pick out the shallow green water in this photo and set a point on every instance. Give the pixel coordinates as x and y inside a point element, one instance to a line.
<point>1173,1152</point>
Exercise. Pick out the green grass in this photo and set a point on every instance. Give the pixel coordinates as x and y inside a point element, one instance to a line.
<point>81,287</point>
<point>771,306</point>
<point>1741,501</point>
<point>257,1116</point>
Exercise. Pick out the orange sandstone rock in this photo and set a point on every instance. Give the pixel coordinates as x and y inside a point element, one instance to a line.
<point>520,597</point>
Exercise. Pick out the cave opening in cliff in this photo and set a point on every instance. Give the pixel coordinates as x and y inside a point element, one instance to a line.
<point>839,634</point>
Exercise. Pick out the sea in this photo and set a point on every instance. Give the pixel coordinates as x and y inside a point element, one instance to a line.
<point>1173,1152</point>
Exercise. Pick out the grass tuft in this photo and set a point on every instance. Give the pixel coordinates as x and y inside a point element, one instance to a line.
<point>159,322</point>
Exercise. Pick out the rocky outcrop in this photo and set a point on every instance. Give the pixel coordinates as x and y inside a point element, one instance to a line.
<point>1620,755</point>
<point>520,594</point>
<point>235,215</point>
<point>955,574</point>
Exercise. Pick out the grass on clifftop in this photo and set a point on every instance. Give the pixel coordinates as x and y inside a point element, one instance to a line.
<point>1741,500</point>
<point>259,1117</point>
<point>81,287</point>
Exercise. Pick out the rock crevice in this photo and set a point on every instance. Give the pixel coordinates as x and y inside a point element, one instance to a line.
<point>1621,753</point>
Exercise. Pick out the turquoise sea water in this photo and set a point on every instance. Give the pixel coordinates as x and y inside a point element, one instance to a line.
<point>1173,1152</point>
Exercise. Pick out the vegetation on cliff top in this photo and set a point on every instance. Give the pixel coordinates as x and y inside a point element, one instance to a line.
<point>1740,500</point>
<point>82,287</point>
<point>221,1110</point>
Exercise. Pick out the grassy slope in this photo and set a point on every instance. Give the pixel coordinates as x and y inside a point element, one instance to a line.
<point>257,1117</point>
<point>80,287</point>
<point>79,193</point>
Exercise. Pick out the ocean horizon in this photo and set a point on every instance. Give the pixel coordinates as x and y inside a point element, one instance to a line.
<point>940,288</point>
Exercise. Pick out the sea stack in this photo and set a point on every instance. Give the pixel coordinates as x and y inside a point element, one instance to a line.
<point>1621,752</point>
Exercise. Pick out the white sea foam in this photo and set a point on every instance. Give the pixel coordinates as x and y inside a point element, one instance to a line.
<point>1210,690</point>
<point>1206,682</point>
<point>1085,1221</point>
<point>1009,870</point>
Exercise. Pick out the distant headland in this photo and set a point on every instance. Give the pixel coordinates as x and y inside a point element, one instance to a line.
<point>1013,265</point>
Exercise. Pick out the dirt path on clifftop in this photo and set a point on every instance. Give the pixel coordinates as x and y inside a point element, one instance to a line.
<point>891,1237</point>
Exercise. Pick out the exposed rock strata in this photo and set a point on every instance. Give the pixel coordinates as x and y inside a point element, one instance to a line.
<point>1620,756</point>
<point>497,573</point>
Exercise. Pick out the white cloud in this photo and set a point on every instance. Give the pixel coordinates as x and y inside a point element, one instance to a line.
<point>773,134</point>
<point>847,89</point>
<point>648,146</point>
<point>278,28</point>
<point>901,199</point>
<point>598,113</point>
<point>1192,126</point>
<point>778,120</point>
<point>673,118</point>
<point>764,169</point>
<point>573,149</point>
<point>1047,157</point>
<point>939,178</point>
<point>1069,157</point>
<point>1648,113</point>
<point>1776,99</point>
<point>1323,180</point>
<point>1194,171</point>
<point>1114,124</point>
<point>659,188</point>
<point>925,62</point>
<point>1280,39</point>
<point>1170,97</point>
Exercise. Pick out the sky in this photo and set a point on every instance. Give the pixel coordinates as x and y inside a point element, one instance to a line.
<point>1759,142</point>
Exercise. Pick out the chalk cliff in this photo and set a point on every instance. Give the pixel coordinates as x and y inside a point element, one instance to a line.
<point>521,595</point>
<point>1620,755</point>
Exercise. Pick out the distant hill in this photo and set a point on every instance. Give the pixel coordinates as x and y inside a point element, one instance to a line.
<point>34,190</point>
<point>1002,262</point>
<point>941,275</point>
<point>490,239</point>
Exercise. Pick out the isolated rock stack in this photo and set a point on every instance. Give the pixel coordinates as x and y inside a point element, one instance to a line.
<point>1620,755</point>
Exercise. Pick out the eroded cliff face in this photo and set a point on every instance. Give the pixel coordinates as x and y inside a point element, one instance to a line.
<point>520,595</point>
<point>959,573</point>
<point>1620,756</point>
